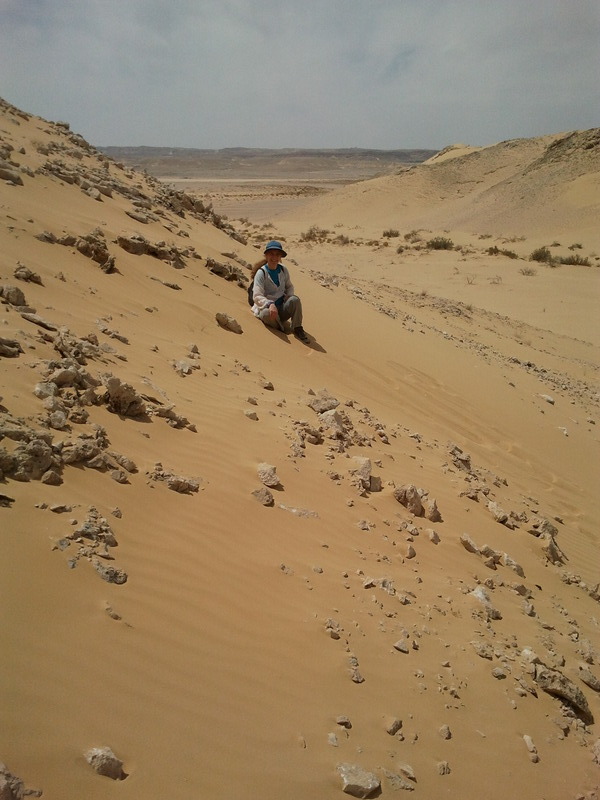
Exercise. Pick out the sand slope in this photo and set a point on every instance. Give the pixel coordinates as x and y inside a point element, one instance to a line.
<point>219,668</point>
<point>534,187</point>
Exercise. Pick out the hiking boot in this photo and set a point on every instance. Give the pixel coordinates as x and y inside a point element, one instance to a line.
<point>301,334</point>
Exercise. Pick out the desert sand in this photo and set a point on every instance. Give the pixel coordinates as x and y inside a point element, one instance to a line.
<point>416,595</point>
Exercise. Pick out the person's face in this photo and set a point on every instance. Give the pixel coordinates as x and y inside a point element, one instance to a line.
<point>273,258</point>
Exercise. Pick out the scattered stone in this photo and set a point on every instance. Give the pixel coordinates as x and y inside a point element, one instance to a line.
<point>105,762</point>
<point>323,402</point>
<point>354,672</point>
<point>12,295</point>
<point>37,320</point>
<point>13,788</point>
<point>401,646</point>
<point>332,627</point>
<point>481,594</point>
<point>343,722</point>
<point>23,273</point>
<point>547,398</point>
<point>228,322</point>
<point>109,573</point>
<point>397,782</point>
<point>332,740</point>
<point>305,513</point>
<point>443,768</point>
<point>589,679</point>
<point>392,725</point>
<point>267,474</point>
<point>251,415</point>
<point>431,511</point>
<point>499,514</point>
<point>10,175</point>
<point>512,564</point>
<point>433,536</point>
<point>499,673</point>
<point>410,498</point>
<point>406,770</point>
<point>469,544</point>
<point>10,348</point>
<point>264,496</point>
<point>356,781</point>
<point>122,399</point>
<point>445,732</point>
<point>558,685</point>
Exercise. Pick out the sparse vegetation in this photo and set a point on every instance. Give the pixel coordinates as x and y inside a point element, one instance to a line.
<point>470,279</point>
<point>341,239</point>
<point>413,236</point>
<point>440,243</point>
<point>576,246</point>
<point>485,235</point>
<point>575,260</point>
<point>496,251</point>
<point>529,271</point>
<point>496,279</point>
<point>314,234</point>
<point>400,249</point>
<point>541,254</point>
<point>391,233</point>
<point>555,244</point>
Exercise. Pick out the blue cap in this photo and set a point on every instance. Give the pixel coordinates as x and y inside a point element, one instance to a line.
<point>274,245</point>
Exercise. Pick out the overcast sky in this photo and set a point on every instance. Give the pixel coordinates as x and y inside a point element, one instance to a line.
<point>304,73</point>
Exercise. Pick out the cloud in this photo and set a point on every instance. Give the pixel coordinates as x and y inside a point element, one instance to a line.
<point>341,73</point>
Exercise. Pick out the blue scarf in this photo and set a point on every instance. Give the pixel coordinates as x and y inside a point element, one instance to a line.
<point>274,275</point>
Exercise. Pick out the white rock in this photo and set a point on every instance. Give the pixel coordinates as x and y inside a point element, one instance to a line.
<point>356,781</point>
<point>105,762</point>
<point>268,475</point>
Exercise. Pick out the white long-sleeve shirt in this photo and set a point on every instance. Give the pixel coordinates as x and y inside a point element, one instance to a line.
<point>266,290</point>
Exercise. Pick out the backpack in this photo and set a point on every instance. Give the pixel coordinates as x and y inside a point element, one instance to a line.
<point>251,289</point>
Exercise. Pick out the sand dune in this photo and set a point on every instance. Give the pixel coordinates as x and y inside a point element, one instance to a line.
<point>545,187</point>
<point>220,667</point>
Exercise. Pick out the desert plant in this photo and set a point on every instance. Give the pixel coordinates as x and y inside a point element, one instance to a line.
<point>440,243</point>
<point>496,251</point>
<point>576,246</point>
<point>575,260</point>
<point>470,279</point>
<point>341,239</point>
<point>529,271</point>
<point>413,236</point>
<point>391,233</point>
<point>541,254</point>
<point>314,234</point>
<point>485,235</point>
<point>555,244</point>
<point>496,279</point>
<point>400,249</point>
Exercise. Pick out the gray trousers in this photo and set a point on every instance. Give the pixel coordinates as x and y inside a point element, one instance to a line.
<point>291,309</point>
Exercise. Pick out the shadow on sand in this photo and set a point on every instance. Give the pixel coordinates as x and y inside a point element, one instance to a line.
<point>287,338</point>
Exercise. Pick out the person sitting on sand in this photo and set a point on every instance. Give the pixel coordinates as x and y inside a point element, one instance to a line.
<point>273,293</point>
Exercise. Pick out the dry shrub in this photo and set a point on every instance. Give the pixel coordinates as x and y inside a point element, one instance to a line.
<point>314,234</point>
<point>440,243</point>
